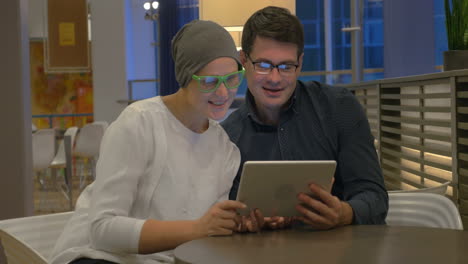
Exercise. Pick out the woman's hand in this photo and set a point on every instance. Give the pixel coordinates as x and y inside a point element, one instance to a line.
<point>220,219</point>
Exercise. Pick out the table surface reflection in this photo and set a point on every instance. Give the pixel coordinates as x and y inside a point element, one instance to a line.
<point>350,244</point>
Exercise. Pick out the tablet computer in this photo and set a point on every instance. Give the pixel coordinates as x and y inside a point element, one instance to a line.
<point>272,186</point>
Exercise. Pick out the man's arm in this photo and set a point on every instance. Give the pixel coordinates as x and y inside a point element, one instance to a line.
<point>359,195</point>
<point>358,179</point>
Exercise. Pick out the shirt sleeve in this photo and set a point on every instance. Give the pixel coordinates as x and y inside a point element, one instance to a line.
<point>124,157</point>
<point>359,174</point>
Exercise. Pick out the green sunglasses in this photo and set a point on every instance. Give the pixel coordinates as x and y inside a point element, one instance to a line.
<point>208,84</point>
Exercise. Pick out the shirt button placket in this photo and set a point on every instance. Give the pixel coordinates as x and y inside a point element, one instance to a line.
<point>282,143</point>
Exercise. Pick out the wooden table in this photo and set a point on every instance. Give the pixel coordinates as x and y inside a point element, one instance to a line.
<point>350,244</point>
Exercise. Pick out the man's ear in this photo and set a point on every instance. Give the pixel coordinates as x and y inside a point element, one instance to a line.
<point>300,61</point>
<point>243,57</point>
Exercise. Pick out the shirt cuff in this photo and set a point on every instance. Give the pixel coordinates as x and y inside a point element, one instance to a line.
<point>360,211</point>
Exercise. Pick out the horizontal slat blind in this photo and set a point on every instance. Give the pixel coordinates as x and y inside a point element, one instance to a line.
<point>462,145</point>
<point>416,149</point>
<point>421,125</point>
<point>412,126</point>
<point>369,99</point>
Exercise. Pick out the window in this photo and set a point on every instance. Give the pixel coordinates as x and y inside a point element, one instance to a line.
<point>316,21</point>
<point>440,32</point>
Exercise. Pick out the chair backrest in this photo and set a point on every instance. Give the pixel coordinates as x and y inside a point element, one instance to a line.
<point>38,233</point>
<point>104,124</point>
<point>17,252</point>
<point>439,189</point>
<point>422,209</point>
<point>89,140</point>
<point>43,148</point>
<point>60,159</point>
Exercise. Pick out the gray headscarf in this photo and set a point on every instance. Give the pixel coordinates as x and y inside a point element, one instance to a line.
<point>198,43</point>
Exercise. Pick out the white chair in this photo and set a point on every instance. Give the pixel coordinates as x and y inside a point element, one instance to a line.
<point>440,189</point>
<point>87,148</point>
<point>60,162</point>
<point>422,209</point>
<point>43,147</point>
<point>104,124</point>
<point>31,239</point>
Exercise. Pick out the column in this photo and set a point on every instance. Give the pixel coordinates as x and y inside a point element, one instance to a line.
<point>16,186</point>
<point>408,37</point>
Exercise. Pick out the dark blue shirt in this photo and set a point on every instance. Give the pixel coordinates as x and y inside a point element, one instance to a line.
<point>321,122</point>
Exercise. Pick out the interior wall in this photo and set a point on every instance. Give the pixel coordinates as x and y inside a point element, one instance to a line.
<point>36,18</point>
<point>142,61</point>
<point>109,57</point>
<point>408,37</point>
<point>236,13</point>
<point>121,51</point>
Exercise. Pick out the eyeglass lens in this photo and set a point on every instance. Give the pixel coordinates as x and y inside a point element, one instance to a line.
<point>231,81</point>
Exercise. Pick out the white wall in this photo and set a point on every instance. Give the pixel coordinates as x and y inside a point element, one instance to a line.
<point>121,51</point>
<point>36,18</point>
<point>109,57</point>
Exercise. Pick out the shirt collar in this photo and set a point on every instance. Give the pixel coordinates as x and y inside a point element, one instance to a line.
<point>285,114</point>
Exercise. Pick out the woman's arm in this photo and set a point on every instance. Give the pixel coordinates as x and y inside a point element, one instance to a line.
<point>158,236</point>
<point>165,235</point>
<point>125,153</point>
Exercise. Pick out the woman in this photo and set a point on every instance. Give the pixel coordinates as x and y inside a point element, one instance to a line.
<point>165,167</point>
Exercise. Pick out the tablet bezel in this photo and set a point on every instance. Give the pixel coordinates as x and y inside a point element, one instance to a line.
<point>269,186</point>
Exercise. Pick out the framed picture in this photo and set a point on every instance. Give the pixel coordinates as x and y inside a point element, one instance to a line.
<point>67,46</point>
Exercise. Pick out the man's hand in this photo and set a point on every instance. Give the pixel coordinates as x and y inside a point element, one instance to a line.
<point>323,211</point>
<point>278,222</point>
<point>256,222</point>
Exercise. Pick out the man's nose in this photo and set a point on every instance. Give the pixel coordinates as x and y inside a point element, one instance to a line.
<point>274,75</point>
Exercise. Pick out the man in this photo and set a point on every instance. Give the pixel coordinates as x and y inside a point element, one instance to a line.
<point>287,119</point>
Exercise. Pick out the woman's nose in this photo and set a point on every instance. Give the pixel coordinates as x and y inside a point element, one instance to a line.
<point>222,90</point>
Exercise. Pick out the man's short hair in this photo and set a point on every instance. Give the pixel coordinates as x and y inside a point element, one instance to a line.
<point>276,23</point>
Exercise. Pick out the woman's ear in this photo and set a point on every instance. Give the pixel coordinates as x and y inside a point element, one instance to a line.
<point>243,57</point>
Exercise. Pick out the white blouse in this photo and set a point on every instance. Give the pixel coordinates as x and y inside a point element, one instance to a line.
<point>150,167</point>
